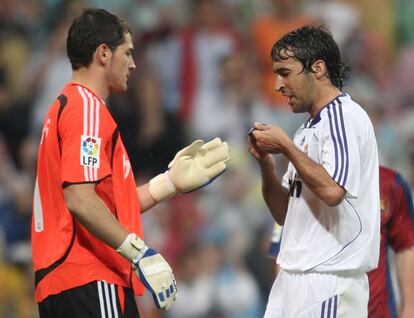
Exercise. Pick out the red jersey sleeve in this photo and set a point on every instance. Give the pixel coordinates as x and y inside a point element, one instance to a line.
<point>85,136</point>
<point>401,225</point>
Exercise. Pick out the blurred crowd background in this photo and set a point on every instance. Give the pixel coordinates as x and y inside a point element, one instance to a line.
<point>203,71</point>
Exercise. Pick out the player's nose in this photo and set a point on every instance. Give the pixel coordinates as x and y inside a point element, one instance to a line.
<point>132,65</point>
<point>279,85</point>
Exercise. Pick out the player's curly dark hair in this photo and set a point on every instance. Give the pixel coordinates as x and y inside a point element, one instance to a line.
<point>309,44</point>
<point>91,29</point>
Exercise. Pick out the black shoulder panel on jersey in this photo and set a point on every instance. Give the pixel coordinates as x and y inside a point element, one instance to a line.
<point>114,139</point>
<point>63,102</point>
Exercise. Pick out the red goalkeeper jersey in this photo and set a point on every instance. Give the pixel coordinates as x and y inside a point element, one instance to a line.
<point>80,144</point>
<point>397,231</point>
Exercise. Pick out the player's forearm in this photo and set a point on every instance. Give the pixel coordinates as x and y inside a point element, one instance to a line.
<point>275,196</point>
<point>315,177</point>
<point>146,201</point>
<point>94,215</point>
<point>405,265</point>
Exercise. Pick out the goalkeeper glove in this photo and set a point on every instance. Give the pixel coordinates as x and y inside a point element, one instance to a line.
<point>152,269</point>
<point>193,167</point>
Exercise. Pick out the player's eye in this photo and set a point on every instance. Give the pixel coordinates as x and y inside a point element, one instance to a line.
<point>283,73</point>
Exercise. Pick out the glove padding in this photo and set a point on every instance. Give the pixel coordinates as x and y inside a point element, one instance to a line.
<point>158,278</point>
<point>152,269</point>
<point>193,167</point>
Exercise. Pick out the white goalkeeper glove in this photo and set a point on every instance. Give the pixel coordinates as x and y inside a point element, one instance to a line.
<point>193,167</point>
<point>152,269</point>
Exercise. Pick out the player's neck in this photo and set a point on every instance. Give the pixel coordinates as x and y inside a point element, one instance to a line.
<point>91,80</point>
<point>322,98</point>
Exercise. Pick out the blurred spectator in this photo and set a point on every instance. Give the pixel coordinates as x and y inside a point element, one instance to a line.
<point>401,90</point>
<point>185,222</point>
<point>191,70</point>
<point>379,17</point>
<point>152,134</point>
<point>16,279</point>
<point>405,22</point>
<point>283,16</point>
<point>16,300</point>
<point>341,17</point>
<point>15,203</point>
<point>362,44</point>
<point>236,292</point>
<point>14,119</point>
<point>390,146</point>
<point>49,69</point>
<point>197,287</point>
<point>214,282</point>
<point>14,46</point>
<point>231,109</point>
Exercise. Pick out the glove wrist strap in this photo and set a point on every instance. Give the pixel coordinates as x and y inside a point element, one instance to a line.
<point>161,187</point>
<point>133,248</point>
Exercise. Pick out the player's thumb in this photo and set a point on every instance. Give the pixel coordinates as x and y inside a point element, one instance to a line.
<point>260,126</point>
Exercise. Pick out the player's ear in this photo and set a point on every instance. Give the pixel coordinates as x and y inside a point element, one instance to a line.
<point>103,54</point>
<point>319,68</point>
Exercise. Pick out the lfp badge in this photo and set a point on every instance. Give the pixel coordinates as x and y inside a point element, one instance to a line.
<point>90,148</point>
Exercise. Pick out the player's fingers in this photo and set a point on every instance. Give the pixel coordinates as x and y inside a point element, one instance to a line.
<point>260,126</point>
<point>219,154</point>
<point>216,170</point>
<point>187,151</point>
<point>193,148</point>
<point>216,142</point>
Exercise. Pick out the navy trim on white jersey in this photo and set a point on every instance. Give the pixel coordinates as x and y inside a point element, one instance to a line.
<point>338,134</point>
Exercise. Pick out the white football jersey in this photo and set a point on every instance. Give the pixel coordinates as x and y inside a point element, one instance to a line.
<point>321,238</point>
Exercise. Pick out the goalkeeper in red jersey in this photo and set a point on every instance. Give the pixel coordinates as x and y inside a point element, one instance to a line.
<point>89,253</point>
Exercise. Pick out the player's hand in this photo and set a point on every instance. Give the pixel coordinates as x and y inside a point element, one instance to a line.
<point>254,149</point>
<point>193,167</point>
<point>270,139</point>
<point>157,276</point>
<point>155,273</point>
<point>262,157</point>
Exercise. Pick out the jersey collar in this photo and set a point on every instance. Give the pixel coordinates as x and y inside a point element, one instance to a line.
<point>313,121</point>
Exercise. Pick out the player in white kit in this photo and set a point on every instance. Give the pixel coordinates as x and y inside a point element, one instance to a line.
<point>328,200</point>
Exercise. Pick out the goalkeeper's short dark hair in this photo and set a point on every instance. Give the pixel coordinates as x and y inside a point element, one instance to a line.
<point>91,29</point>
<point>309,44</point>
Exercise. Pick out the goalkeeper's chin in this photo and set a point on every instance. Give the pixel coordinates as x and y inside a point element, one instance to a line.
<point>121,88</point>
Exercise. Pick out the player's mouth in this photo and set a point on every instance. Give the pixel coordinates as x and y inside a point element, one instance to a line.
<point>289,99</point>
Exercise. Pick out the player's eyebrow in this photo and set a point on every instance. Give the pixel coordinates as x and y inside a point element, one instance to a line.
<point>280,70</point>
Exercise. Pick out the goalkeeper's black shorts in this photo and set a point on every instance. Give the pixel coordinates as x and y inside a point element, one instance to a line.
<point>96,299</point>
